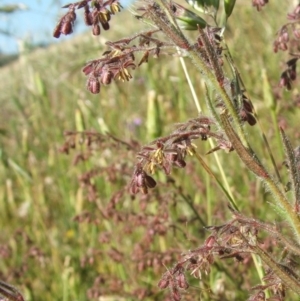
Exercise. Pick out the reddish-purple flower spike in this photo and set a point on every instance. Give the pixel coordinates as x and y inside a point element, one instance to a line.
<point>179,161</point>
<point>93,85</point>
<point>163,283</point>
<point>134,189</point>
<point>66,28</point>
<point>247,104</point>
<point>260,296</point>
<point>181,280</point>
<point>57,31</point>
<point>259,3</point>
<point>283,46</point>
<point>67,5</point>
<point>176,294</point>
<point>296,33</point>
<point>150,182</point>
<point>141,180</point>
<point>292,74</point>
<point>289,86</point>
<point>65,25</point>
<point>285,81</point>
<point>94,16</point>
<point>88,19</point>
<point>292,62</point>
<point>81,4</point>
<point>167,167</point>
<point>210,259</point>
<point>156,53</point>
<point>99,15</point>
<point>295,14</point>
<point>210,241</point>
<point>246,116</point>
<point>96,30</point>
<point>88,69</point>
<point>105,25</point>
<point>289,74</point>
<point>106,77</point>
<point>70,16</point>
<point>251,119</point>
<point>284,36</point>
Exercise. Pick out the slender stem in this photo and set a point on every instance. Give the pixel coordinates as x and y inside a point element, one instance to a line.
<point>208,170</point>
<point>293,164</point>
<point>277,131</point>
<point>251,161</point>
<point>198,106</point>
<point>260,270</point>
<point>242,89</point>
<point>190,202</point>
<point>208,199</point>
<point>290,279</point>
<point>211,79</point>
<point>195,98</point>
<point>270,230</point>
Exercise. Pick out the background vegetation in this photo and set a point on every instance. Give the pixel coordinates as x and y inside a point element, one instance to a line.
<point>59,243</point>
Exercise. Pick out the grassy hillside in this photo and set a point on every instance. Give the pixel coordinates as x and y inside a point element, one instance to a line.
<point>59,242</point>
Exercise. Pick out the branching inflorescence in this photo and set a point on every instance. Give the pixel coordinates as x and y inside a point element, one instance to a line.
<point>171,151</point>
<point>95,13</point>
<point>230,109</point>
<point>288,39</point>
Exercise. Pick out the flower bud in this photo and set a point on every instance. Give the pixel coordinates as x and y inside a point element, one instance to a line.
<point>292,74</point>
<point>88,69</point>
<point>150,182</point>
<point>88,19</point>
<point>106,77</point>
<point>176,294</point>
<point>96,30</point>
<point>115,7</point>
<point>104,15</point>
<point>105,25</point>
<point>66,28</point>
<point>163,283</point>
<point>182,283</point>
<point>93,85</point>
<point>57,30</point>
<point>210,241</point>
<point>283,46</point>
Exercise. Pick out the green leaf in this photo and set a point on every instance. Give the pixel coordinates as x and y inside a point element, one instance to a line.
<point>186,19</point>
<point>154,125</point>
<point>229,5</point>
<point>293,165</point>
<point>215,4</point>
<point>19,170</point>
<point>204,6</point>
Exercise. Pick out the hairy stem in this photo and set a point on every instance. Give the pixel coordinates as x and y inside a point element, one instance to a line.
<point>212,80</point>
<point>289,278</point>
<point>250,159</point>
<point>172,31</point>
